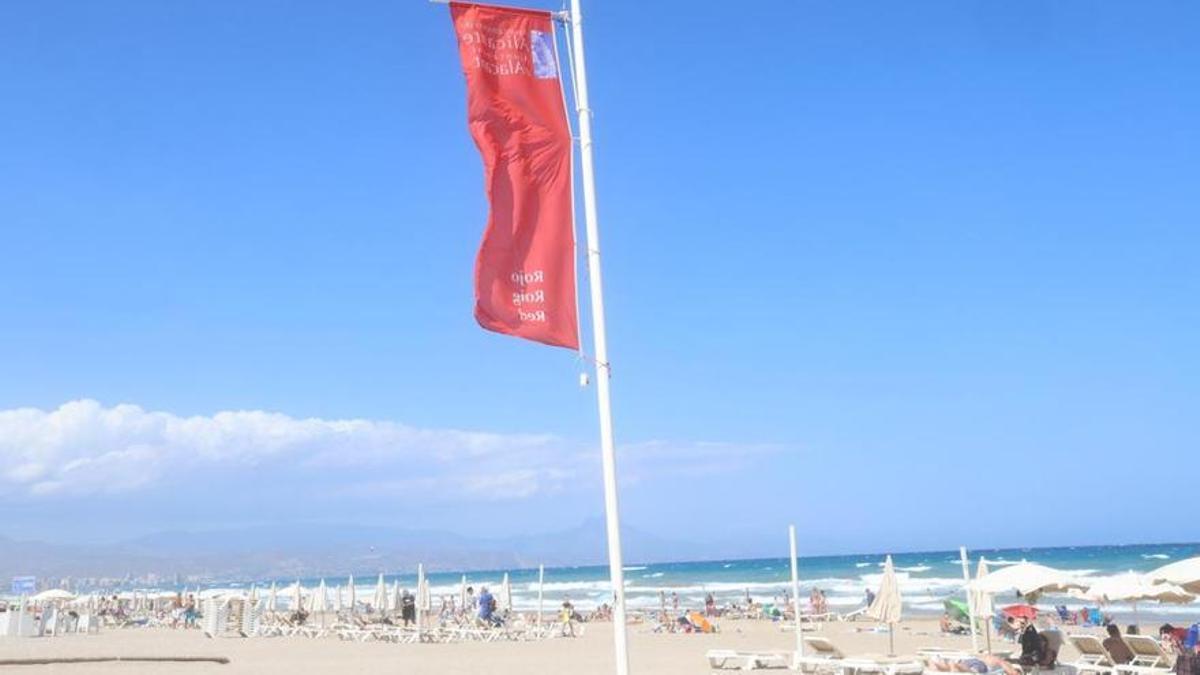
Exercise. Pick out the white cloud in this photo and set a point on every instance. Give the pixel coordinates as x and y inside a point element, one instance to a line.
<point>86,448</point>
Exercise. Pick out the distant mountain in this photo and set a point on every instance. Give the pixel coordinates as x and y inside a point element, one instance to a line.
<point>310,549</point>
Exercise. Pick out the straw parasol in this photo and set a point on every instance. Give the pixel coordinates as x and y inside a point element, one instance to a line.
<point>888,605</point>
<point>981,601</point>
<point>1184,573</point>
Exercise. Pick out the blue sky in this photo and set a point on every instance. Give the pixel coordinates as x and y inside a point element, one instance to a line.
<point>911,275</point>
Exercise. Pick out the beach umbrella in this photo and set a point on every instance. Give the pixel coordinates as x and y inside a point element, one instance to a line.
<point>424,594</point>
<point>252,597</point>
<point>1133,588</point>
<point>297,596</point>
<point>541,589</point>
<point>888,605</point>
<point>337,600</point>
<point>381,595</point>
<point>396,596</point>
<point>352,598</point>
<point>982,603</point>
<point>422,599</point>
<point>1027,579</point>
<point>970,604</point>
<point>54,594</point>
<point>505,594</point>
<point>1184,573</point>
<point>320,602</point>
<point>272,599</point>
<point>957,610</point>
<point>462,594</point>
<point>1027,612</point>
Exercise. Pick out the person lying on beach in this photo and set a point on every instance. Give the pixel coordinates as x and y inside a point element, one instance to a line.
<point>980,665</point>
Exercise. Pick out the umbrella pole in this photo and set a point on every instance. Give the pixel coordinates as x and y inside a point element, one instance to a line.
<point>891,639</point>
<point>987,629</point>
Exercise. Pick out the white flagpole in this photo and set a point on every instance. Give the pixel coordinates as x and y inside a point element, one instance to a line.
<point>796,593</point>
<point>611,511</point>
<point>962,553</point>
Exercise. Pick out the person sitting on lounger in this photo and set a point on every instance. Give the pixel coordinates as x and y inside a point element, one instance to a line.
<point>487,608</point>
<point>1116,646</point>
<point>950,628</point>
<point>1033,647</point>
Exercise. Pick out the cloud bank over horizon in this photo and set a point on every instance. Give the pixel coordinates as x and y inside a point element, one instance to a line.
<point>84,448</point>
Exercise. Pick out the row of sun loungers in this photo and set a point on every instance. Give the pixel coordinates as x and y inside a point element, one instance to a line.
<point>1149,657</point>
<point>822,657</point>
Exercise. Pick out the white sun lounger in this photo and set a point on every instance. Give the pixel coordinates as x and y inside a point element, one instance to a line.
<point>822,656</point>
<point>1093,657</point>
<point>1149,657</point>
<point>731,659</point>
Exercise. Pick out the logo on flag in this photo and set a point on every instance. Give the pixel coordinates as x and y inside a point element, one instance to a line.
<point>542,46</point>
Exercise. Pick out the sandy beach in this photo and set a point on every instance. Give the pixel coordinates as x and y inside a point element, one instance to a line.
<point>666,654</point>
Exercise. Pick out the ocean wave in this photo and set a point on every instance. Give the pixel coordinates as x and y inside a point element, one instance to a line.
<point>654,575</point>
<point>633,569</point>
<point>861,565</point>
<point>1155,556</point>
<point>915,568</point>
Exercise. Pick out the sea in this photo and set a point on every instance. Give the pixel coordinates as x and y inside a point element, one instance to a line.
<point>926,579</point>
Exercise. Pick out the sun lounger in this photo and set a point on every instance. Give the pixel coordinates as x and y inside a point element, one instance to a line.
<point>1149,657</point>
<point>1093,657</point>
<point>730,659</point>
<point>822,656</point>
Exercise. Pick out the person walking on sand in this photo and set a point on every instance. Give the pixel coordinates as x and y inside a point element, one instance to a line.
<point>566,617</point>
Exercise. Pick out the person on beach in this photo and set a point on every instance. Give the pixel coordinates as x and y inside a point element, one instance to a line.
<point>566,617</point>
<point>408,608</point>
<point>710,605</point>
<point>487,607</point>
<point>674,601</point>
<point>980,665</point>
<point>870,598</point>
<point>1116,647</point>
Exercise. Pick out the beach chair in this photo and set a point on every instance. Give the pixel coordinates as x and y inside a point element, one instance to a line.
<point>1065,616</point>
<point>1149,657</point>
<point>820,655</point>
<point>730,659</point>
<point>1093,657</point>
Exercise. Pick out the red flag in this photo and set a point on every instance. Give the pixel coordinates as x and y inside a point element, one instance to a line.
<point>525,271</point>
